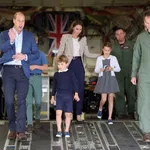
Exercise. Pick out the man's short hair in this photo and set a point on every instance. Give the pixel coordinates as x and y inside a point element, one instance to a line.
<point>116,28</point>
<point>17,13</point>
<point>147,13</point>
<point>62,58</point>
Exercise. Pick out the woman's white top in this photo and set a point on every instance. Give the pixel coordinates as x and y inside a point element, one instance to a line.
<point>76,47</point>
<point>113,63</point>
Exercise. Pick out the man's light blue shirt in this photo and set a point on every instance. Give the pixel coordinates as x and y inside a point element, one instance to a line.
<point>18,47</point>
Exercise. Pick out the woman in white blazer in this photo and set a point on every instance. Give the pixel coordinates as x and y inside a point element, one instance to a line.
<point>74,46</point>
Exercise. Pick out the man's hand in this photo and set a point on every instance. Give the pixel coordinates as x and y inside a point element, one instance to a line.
<point>133,80</point>
<point>12,35</point>
<point>33,67</point>
<point>19,56</point>
<point>76,97</point>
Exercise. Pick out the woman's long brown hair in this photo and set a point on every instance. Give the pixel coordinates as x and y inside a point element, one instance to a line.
<point>74,23</point>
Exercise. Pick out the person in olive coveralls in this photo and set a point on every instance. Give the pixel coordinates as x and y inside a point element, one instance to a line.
<point>141,65</point>
<point>123,50</point>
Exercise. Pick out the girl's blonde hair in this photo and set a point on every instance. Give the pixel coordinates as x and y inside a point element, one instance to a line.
<point>107,44</point>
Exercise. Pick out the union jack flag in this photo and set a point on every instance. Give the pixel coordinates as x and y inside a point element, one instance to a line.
<point>57,27</point>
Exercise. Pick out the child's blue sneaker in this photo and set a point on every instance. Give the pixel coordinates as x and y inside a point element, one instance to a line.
<point>67,134</point>
<point>110,121</point>
<point>59,134</point>
<point>99,114</point>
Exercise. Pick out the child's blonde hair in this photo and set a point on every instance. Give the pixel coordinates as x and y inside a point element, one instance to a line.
<point>62,58</point>
<point>107,44</point>
<point>36,38</point>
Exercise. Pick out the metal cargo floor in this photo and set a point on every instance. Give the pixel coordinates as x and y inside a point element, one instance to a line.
<point>90,135</point>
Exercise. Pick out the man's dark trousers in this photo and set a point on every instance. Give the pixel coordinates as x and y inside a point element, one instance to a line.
<point>14,79</point>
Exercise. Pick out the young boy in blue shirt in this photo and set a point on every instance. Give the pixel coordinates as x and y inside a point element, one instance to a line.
<point>35,89</point>
<point>65,88</point>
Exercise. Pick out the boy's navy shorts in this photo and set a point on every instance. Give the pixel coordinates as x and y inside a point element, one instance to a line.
<point>64,102</point>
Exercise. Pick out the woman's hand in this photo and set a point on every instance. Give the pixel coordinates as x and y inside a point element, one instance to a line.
<point>52,100</point>
<point>76,97</point>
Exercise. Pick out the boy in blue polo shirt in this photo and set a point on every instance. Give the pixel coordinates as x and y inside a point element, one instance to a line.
<point>35,89</point>
<point>65,88</point>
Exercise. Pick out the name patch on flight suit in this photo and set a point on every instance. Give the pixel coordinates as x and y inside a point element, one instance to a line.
<point>126,47</point>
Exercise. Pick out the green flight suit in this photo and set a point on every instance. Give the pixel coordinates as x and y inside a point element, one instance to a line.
<point>124,55</point>
<point>141,65</point>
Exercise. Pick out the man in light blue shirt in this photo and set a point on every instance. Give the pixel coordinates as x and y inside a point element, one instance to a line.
<point>19,49</point>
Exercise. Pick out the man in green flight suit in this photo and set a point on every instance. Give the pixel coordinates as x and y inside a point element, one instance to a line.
<point>123,50</point>
<point>141,65</point>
